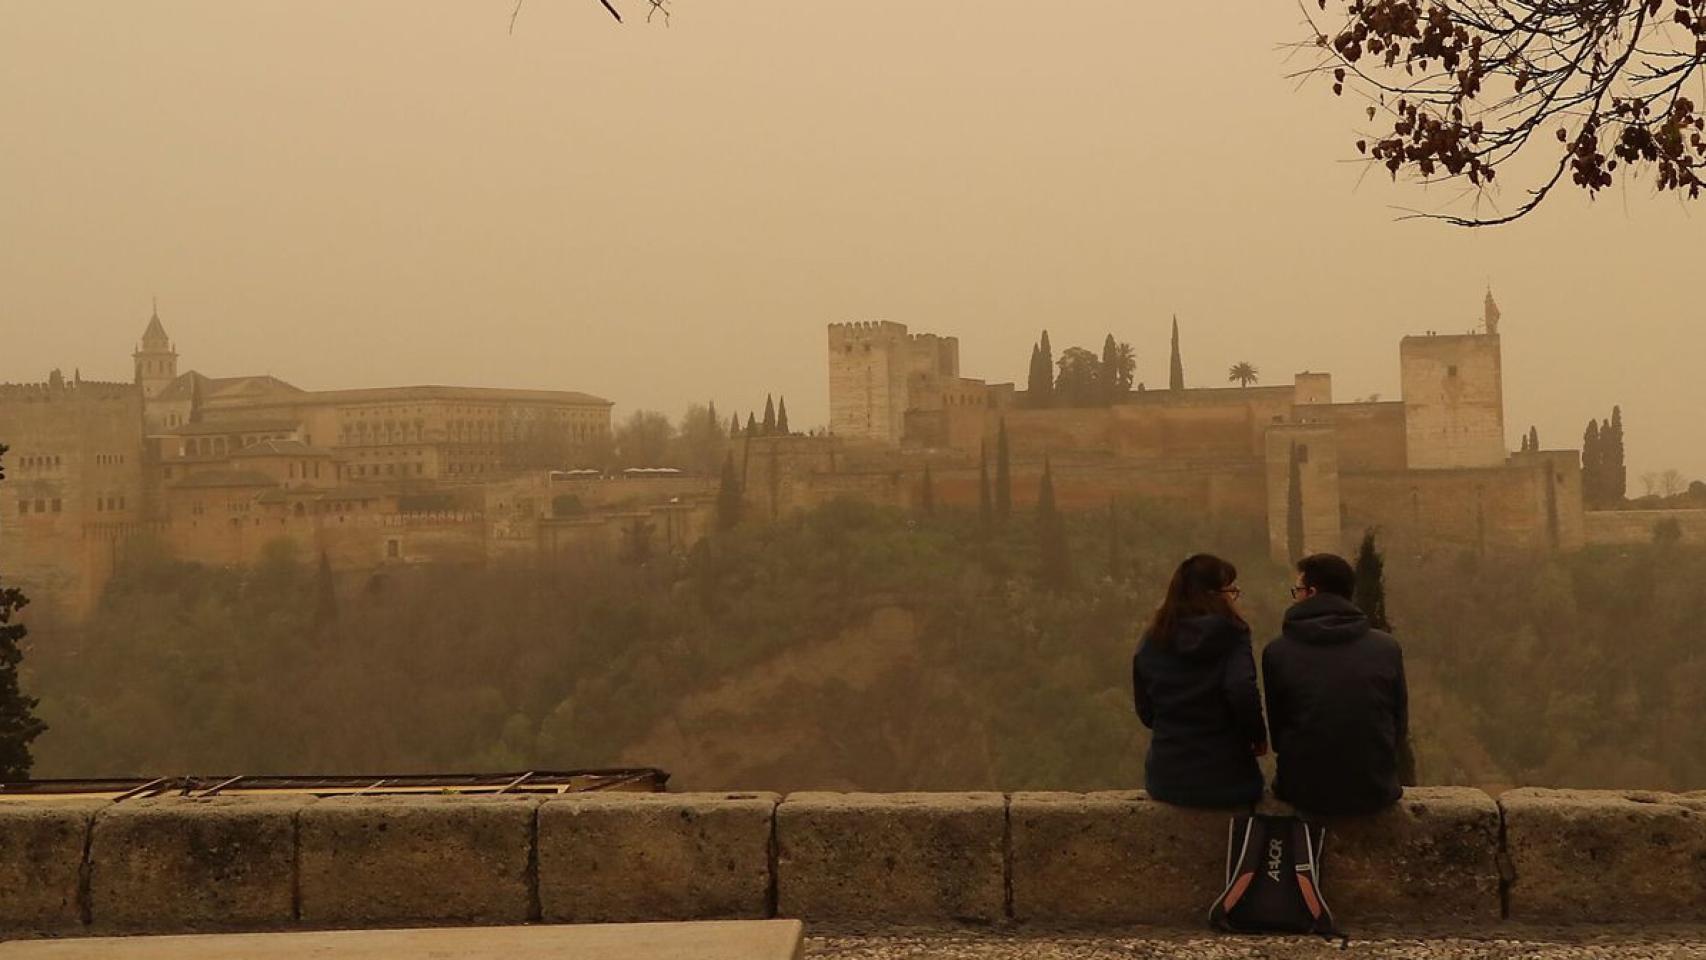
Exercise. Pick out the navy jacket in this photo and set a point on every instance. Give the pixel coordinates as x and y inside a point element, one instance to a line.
<point>1338,708</point>
<point>1198,694</point>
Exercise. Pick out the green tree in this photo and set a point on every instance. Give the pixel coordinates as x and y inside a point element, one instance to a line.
<point>1039,388</point>
<point>1370,595</point>
<point>1534,439</point>
<point>19,725</point>
<point>1055,572</point>
<point>782,417</point>
<point>1294,506</point>
<point>734,426</point>
<point>1242,373</point>
<point>1617,473</point>
<point>985,503</point>
<point>644,439</point>
<point>1175,364</point>
<point>1125,369</point>
<point>751,425</point>
<point>1107,373</point>
<point>325,594</point>
<point>1593,466</point>
<point>728,496</point>
<point>1075,386</point>
<point>699,439</point>
<point>1003,475</point>
<point>769,416</point>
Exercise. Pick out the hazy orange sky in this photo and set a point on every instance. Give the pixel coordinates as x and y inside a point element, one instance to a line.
<point>347,193</point>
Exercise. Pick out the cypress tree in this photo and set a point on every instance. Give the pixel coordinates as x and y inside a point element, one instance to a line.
<point>1108,374</point>
<point>18,722</point>
<point>927,493</point>
<point>751,425</point>
<point>1176,366</point>
<point>769,416</point>
<point>1033,385</point>
<point>983,498</point>
<point>1056,572</point>
<point>325,596</point>
<point>1294,507</point>
<point>734,425</point>
<point>1534,439</point>
<point>1370,594</point>
<point>728,496</point>
<point>1003,475</point>
<point>1042,374</point>
<point>1116,553</point>
<point>1617,474</point>
<point>711,417</point>
<point>782,417</point>
<point>1592,471</point>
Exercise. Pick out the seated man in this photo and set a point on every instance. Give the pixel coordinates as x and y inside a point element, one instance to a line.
<point>1338,711</point>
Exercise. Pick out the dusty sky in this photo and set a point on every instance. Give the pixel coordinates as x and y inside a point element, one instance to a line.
<point>367,192</point>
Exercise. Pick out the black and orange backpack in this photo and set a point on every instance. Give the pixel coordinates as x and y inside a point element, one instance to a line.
<point>1273,878</point>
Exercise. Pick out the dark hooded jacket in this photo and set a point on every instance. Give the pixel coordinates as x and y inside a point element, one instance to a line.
<point>1198,694</point>
<point>1338,709</point>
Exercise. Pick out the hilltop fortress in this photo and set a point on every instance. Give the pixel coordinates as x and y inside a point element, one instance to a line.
<point>1431,470</point>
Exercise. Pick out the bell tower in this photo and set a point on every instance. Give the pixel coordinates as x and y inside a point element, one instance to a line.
<point>156,361</point>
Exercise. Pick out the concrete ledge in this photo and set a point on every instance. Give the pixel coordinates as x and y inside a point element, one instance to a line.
<point>891,858</point>
<point>1432,859</point>
<point>742,940</point>
<point>655,856</point>
<point>387,860</point>
<point>1606,857</point>
<point>190,864</point>
<point>41,864</point>
<point>1114,858</point>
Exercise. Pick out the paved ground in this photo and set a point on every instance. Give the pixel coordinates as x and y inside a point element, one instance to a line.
<point>1543,945</point>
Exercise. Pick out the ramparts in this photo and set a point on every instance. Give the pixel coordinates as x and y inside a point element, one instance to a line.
<point>1442,858</point>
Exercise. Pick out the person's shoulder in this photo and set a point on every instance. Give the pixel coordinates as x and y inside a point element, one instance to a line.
<point>1382,640</point>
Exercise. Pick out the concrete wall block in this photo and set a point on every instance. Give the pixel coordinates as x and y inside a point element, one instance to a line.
<point>417,860</point>
<point>177,863</point>
<point>1432,858</point>
<point>902,858</point>
<point>1600,856</point>
<point>41,862</point>
<point>625,857</point>
<point>1114,858</point>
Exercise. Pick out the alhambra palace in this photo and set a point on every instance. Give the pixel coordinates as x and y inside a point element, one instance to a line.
<point>215,468</point>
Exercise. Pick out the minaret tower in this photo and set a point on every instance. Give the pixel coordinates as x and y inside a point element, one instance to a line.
<point>156,361</point>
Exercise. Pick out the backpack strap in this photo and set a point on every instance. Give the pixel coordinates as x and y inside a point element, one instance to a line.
<point>1238,878</point>
<point>1308,841</point>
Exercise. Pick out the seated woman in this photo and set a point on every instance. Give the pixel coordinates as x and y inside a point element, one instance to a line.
<point>1194,679</point>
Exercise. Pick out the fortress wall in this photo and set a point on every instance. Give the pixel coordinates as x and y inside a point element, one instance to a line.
<point>1443,857</point>
<point>1502,508</point>
<point>1371,435</point>
<point>1612,527</point>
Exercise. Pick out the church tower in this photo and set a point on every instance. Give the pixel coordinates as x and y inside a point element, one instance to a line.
<point>156,361</point>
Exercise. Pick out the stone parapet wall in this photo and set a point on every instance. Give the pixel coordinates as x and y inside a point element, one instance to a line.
<point>1443,857</point>
<point>1614,527</point>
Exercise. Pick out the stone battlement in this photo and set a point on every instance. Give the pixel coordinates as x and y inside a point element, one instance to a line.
<point>1443,857</point>
<point>66,390</point>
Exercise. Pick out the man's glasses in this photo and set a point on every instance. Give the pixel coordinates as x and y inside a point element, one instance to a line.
<point>1298,593</point>
<point>1232,592</point>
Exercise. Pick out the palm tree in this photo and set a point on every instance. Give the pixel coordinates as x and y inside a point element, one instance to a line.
<point>1242,373</point>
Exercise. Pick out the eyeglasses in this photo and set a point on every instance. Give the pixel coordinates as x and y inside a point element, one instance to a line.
<point>1298,593</point>
<point>1233,592</point>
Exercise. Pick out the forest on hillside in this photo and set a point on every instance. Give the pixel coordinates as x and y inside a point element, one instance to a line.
<point>846,647</point>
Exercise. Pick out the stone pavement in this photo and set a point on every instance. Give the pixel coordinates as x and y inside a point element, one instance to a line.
<point>1656,944</point>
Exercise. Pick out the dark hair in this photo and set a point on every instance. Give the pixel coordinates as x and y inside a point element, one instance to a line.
<point>1328,573</point>
<point>1195,590</point>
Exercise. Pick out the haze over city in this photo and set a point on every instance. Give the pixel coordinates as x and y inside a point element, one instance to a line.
<point>390,193</point>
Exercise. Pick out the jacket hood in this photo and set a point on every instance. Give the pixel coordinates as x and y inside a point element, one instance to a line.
<point>1325,619</point>
<point>1206,636</point>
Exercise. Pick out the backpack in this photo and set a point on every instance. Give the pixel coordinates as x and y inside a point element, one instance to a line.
<point>1273,878</point>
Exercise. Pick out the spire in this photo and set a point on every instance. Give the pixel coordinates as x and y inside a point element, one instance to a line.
<point>1176,372</point>
<point>154,338</point>
<point>1490,312</point>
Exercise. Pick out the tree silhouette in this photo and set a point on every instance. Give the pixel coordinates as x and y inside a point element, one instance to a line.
<point>1176,364</point>
<point>1242,373</point>
<point>1294,506</point>
<point>769,416</point>
<point>729,496</point>
<point>1039,386</point>
<point>1055,555</point>
<point>1462,89</point>
<point>1125,368</point>
<point>18,722</point>
<point>1076,384</point>
<point>1370,594</point>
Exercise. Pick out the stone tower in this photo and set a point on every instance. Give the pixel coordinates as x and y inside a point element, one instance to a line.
<point>878,371</point>
<point>1454,403</point>
<point>156,361</point>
